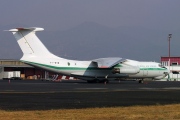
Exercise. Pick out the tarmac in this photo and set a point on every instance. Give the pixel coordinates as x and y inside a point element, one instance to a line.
<point>70,94</point>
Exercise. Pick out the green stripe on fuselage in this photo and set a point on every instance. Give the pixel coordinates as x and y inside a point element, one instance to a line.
<point>152,68</point>
<point>80,68</point>
<point>64,68</point>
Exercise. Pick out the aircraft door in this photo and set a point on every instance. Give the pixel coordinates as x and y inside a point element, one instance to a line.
<point>145,72</point>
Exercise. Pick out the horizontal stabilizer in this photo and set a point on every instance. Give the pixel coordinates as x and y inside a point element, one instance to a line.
<point>108,62</point>
<point>31,29</point>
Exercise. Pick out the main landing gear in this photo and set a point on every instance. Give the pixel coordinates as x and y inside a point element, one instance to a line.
<point>98,81</point>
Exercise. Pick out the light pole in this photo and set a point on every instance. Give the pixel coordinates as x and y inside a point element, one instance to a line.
<point>170,36</point>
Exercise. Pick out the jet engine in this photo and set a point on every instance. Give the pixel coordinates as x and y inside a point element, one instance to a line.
<point>126,70</point>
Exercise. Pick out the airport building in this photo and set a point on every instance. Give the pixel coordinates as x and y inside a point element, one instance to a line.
<point>16,68</point>
<point>173,64</point>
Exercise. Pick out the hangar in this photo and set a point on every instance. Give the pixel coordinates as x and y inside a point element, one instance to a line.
<point>16,68</point>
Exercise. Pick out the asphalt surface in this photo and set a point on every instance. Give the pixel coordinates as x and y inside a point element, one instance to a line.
<point>47,95</point>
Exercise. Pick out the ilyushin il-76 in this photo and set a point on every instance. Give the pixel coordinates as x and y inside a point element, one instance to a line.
<point>102,70</point>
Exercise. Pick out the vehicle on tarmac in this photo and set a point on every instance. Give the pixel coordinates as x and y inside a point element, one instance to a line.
<point>15,78</point>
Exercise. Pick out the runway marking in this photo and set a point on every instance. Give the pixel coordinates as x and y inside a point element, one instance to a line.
<point>166,88</point>
<point>10,92</point>
<point>86,91</point>
<point>92,88</point>
<point>172,88</point>
<point>149,88</point>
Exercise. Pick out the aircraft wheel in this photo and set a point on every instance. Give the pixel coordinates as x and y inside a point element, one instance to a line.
<point>91,81</point>
<point>106,81</point>
<point>141,81</point>
<point>98,81</point>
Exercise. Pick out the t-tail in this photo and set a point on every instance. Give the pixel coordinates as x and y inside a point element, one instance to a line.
<point>30,43</point>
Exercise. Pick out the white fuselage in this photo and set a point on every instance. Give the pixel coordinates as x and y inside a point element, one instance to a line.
<point>88,71</point>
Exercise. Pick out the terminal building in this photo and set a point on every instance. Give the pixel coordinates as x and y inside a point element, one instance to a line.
<point>173,64</point>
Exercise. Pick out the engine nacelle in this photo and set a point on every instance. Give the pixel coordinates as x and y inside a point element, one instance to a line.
<point>126,70</point>
<point>159,77</point>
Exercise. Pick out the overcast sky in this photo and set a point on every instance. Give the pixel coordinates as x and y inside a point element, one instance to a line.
<point>65,14</point>
<point>53,15</point>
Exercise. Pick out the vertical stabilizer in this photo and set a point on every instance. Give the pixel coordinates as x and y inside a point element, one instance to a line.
<point>29,42</point>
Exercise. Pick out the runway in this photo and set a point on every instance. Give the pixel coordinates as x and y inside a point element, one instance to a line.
<point>47,95</point>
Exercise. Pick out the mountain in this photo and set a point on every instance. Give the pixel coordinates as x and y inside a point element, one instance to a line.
<point>91,40</point>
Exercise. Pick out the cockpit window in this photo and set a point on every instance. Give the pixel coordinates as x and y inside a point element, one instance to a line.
<point>160,65</point>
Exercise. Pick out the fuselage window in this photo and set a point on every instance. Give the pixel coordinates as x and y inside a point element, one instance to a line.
<point>68,64</point>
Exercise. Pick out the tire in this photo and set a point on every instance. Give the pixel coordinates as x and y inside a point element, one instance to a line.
<point>141,81</point>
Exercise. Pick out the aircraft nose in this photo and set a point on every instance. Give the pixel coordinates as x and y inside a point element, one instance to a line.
<point>167,71</point>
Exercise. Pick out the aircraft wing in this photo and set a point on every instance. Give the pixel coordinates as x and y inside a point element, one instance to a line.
<point>108,62</point>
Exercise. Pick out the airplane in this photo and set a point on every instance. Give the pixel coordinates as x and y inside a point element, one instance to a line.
<point>97,70</point>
